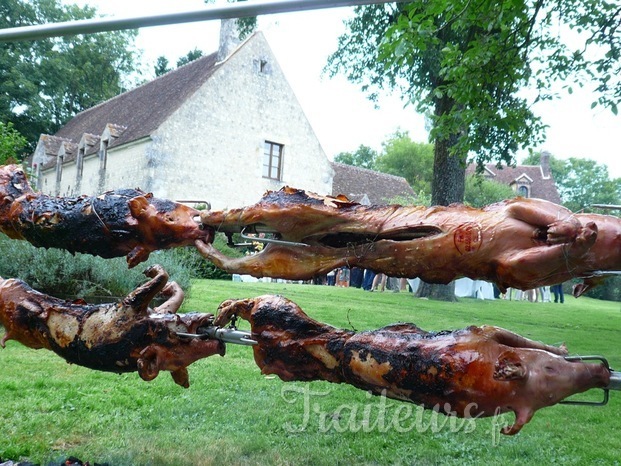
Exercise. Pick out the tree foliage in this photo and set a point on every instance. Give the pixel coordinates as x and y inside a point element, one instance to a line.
<point>481,191</point>
<point>587,182</point>
<point>11,143</point>
<point>412,160</point>
<point>364,157</point>
<point>44,83</point>
<point>162,64</point>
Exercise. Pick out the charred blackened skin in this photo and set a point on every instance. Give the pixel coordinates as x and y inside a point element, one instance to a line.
<point>519,243</point>
<point>473,372</point>
<point>126,222</point>
<point>118,337</point>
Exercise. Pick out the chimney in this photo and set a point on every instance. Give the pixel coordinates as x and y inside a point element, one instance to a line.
<point>229,38</point>
<point>545,164</point>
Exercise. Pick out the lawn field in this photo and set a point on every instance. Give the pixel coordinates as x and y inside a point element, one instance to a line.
<point>233,415</point>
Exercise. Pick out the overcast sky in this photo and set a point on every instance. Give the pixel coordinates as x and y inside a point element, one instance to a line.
<point>338,111</point>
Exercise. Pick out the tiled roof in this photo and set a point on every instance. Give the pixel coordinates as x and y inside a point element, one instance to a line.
<point>143,109</point>
<point>379,188</point>
<point>541,186</point>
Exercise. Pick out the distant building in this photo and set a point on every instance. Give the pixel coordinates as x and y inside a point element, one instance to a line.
<point>526,180</point>
<point>224,128</point>
<point>368,186</point>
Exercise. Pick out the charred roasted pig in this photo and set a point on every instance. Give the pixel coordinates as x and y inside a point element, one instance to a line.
<point>117,223</point>
<point>520,243</point>
<point>118,337</point>
<point>474,372</point>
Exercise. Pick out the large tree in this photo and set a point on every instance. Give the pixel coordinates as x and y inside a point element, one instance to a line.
<point>464,63</point>
<point>44,83</point>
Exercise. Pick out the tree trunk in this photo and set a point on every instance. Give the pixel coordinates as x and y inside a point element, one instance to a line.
<point>447,187</point>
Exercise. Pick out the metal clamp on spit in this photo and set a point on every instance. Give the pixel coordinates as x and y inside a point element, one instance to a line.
<point>224,334</point>
<point>257,232</point>
<point>260,234</point>
<point>615,381</point>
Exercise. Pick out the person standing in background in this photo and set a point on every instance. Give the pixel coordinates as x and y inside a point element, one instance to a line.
<point>558,293</point>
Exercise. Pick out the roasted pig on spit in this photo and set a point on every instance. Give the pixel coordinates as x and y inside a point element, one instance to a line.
<point>474,372</point>
<point>119,337</point>
<point>520,243</point>
<point>125,222</point>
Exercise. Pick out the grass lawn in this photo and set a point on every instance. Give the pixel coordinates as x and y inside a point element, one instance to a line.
<point>232,414</point>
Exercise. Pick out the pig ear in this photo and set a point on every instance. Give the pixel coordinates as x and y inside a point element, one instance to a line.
<point>509,366</point>
<point>138,206</point>
<point>148,363</point>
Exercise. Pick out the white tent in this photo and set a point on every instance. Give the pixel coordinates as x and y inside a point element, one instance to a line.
<point>467,288</point>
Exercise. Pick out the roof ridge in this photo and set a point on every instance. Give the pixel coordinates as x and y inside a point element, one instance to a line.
<point>355,167</point>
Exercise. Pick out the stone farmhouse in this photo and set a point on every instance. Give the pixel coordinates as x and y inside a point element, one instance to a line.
<point>526,180</point>
<point>224,129</point>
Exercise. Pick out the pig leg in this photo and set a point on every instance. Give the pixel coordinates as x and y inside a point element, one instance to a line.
<point>140,298</point>
<point>581,288</point>
<point>293,263</point>
<point>549,260</point>
<point>155,358</point>
<point>522,417</point>
<point>507,338</point>
<point>175,296</point>
<point>557,224</point>
<point>537,212</point>
<point>231,308</point>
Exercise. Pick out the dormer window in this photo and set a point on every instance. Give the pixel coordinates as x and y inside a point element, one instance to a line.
<point>523,191</point>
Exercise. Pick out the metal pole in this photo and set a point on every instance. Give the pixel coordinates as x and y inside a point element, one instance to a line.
<point>606,206</point>
<point>230,10</point>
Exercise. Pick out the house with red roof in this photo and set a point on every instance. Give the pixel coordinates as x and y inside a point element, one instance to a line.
<point>526,180</point>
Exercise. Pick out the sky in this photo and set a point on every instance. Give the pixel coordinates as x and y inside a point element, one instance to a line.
<point>339,112</point>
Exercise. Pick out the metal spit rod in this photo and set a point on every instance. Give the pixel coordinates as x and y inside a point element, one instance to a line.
<point>615,381</point>
<point>211,12</point>
<point>227,335</point>
<point>614,384</point>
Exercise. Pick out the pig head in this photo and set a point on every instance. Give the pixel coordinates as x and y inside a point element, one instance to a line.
<point>526,379</point>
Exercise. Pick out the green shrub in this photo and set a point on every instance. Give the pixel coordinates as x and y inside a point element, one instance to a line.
<point>609,290</point>
<point>59,273</point>
<point>202,268</point>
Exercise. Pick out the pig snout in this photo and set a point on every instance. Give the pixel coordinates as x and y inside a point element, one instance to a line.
<point>556,378</point>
